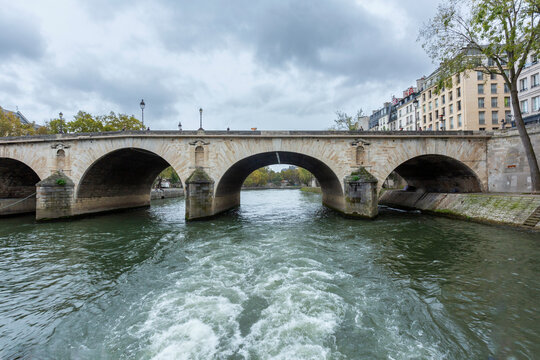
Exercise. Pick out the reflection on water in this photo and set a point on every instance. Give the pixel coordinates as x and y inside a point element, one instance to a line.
<point>281,277</point>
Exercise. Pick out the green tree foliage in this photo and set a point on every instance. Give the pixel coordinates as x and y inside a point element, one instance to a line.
<point>167,174</point>
<point>265,175</point>
<point>347,122</point>
<point>85,122</point>
<point>464,33</point>
<point>10,125</point>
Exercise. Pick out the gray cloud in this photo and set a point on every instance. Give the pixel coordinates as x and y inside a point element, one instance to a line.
<point>19,36</point>
<point>271,64</point>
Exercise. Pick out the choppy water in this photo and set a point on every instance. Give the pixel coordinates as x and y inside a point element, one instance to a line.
<point>282,278</point>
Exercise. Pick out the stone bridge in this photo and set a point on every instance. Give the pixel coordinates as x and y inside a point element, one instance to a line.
<point>76,174</point>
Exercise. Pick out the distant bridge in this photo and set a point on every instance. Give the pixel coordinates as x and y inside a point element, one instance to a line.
<point>75,174</point>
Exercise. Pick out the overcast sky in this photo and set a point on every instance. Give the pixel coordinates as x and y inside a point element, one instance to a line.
<point>270,64</point>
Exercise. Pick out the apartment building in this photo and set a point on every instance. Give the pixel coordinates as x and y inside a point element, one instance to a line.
<point>408,111</point>
<point>529,90</point>
<point>474,101</point>
<point>379,119</point>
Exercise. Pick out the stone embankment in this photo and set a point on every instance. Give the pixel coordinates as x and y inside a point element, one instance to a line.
<point>269,187</point>
<point>508,209</point>
<point>166,193</point>
<point>316,190</point>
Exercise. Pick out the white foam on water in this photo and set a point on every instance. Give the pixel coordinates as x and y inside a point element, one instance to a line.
<point>300,319</point>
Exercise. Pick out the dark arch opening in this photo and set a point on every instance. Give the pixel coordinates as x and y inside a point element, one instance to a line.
<point>228,188</point>
<point>438,173</point>
<point>124,172</point>
<point>17,181</point>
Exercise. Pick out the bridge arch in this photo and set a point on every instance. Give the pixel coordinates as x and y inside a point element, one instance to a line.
<point>227,193</point>
<point>119,179</point>
<point>17,181</point>
<point>438,173</point>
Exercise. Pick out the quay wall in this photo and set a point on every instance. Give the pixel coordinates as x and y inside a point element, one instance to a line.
<point>507,209</point>
<point>166,193</point>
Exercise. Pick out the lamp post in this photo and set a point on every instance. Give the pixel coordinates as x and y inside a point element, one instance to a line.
<point>441,117</point>
<point>61,122</point>
<point>179,126</point>
<point>142,104</point>
<point>416,117</point>
<point>200,119</point>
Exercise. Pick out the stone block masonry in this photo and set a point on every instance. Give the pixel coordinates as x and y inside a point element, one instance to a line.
<point>504,209</point>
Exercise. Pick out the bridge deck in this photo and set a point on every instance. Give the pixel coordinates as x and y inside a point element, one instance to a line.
<point>249,133</point>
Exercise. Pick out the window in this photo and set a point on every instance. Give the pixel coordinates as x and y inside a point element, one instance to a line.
<point>424,97</point>
<point>482,117</point>
<point>429,94</point>
<point>491,62</point>
<point>506,101</point>
<point>480,88</point>
<point>436,114</point>
<point>506,88</point>
<point>450,98</point>
<point>534,81</point>
<point>494,102</point>
<point>430,117</point>
<point>458,92</point>
<point>523,84</point>
<point>459,105</point>
<point>451,108</point>
<point>494,118</point>
<point>436,103</point>
<point>459,120</point>
<point>480,103</point>
<point>430,106</point>
<point>493,76</point>
<point>493,88</point>
<point>479,75</point>
<point>458,79</point>
<point>507,116</point>
<point>451,122</point>
<point>443,99</point>
<point>524,106</point>
<point>424,119</point>
<point>424,108</point>
<point>399,112</point>
<point>535,103</point>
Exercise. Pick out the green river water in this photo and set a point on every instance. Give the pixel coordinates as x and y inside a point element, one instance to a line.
<point>282,277</point>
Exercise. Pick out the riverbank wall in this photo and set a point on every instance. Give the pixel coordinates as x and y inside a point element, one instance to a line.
<point>508,209</point>
<point>166,193</point>
<point>270,188</point>
<point>316,190</point>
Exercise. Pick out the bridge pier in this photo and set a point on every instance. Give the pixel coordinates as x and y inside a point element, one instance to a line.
<point>361,195</point>
<point>54,197</point>
<point>199,195</point>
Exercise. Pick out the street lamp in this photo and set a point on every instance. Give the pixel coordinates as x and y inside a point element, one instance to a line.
<point>200,119</point>
<point>179,126</point>
<point>61,122</point>
<point>416,117</point>
<point>142,104</point>
<point>441,117</point>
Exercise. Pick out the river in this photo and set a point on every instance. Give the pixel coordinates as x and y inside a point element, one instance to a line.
<point>282,277</point>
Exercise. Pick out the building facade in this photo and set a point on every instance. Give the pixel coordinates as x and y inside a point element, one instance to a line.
<point>379,119</point>
<point>474,101</point>
<point>529,90</point>
<point>408,111</point>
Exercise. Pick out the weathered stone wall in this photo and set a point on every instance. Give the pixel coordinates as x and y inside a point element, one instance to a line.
<point>166,193</point>
<point>508,167</point>
<point>493,208</point>
<point>17,206</point>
